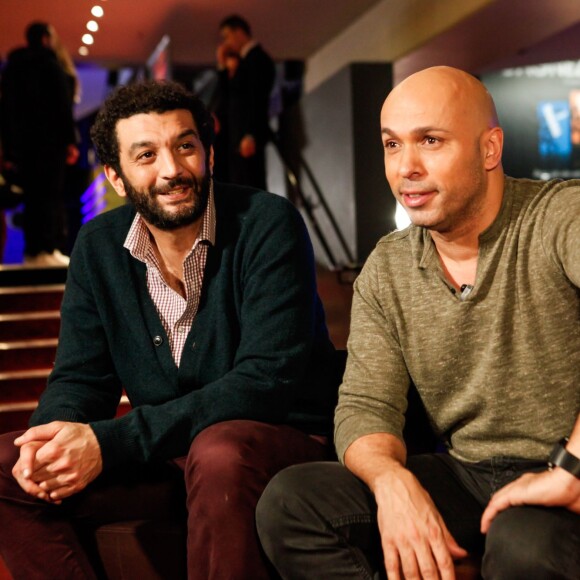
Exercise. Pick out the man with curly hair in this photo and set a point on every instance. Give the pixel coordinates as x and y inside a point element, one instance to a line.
<point>199,300</point>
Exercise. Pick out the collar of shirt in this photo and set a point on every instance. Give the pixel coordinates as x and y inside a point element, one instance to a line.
<point>138,240</point>
<point>247,47</point>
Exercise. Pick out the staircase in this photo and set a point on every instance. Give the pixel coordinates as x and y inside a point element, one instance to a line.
<point>30,301</point>
<point>29,326</point>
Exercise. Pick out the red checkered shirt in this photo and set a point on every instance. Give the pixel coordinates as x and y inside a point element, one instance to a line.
<point>176,313</point>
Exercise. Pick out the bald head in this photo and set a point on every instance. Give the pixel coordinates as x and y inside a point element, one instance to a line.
<point>443,148</point>
<point>445,88</point>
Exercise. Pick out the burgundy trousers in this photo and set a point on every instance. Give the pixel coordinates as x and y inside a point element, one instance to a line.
<point>225,472</point>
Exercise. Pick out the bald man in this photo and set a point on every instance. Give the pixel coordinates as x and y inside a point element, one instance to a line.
<point>478,304</point>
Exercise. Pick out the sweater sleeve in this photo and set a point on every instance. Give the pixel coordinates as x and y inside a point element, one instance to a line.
<point>561,230</point>
<point>277,317</point>
<point>373,395</point>
<point>83,385</point>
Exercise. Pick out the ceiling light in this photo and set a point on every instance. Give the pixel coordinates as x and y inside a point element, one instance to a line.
<point>83,51</point>
<point>92,26</point>
<point>88,39</point>
<point>97,11</point>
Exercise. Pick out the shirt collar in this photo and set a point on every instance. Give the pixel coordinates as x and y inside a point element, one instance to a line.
<point>247,47</point>
<point>138,239</point>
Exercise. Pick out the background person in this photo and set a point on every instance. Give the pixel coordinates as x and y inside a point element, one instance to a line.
<point>478,304</point>
<point>219,107</point>
<point>201,303</point>
<point>249,101</point>
<point>38,136</point>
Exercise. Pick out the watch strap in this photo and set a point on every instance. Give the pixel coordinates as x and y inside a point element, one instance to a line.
<point>561,457</point>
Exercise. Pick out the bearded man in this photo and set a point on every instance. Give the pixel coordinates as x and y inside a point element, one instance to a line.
<point>199,300</point>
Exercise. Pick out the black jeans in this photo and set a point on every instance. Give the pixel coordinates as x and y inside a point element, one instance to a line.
<point>319,521</point>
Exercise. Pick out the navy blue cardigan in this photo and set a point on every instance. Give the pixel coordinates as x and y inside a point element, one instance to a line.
<point>258,347</point>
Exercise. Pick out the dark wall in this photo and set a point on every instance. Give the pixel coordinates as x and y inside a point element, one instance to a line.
<point>341,143</point>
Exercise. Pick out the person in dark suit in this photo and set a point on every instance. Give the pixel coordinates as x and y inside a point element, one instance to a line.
<point>248,101</point>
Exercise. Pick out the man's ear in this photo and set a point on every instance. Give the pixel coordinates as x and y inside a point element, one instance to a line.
<point>115,180</point>
<point>493,147</point>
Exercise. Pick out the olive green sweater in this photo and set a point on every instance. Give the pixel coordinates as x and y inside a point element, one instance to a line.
<point>499,373</point>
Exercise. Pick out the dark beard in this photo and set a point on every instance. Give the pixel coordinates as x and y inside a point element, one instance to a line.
<point>147,206</point>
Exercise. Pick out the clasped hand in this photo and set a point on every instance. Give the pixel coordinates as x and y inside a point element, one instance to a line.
<point>57,460</point>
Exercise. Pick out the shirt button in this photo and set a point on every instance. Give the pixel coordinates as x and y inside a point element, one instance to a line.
<point>193,345</point>
<point>157,340</point>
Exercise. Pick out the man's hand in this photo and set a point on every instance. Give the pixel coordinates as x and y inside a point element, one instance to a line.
<point>72,154</point>
<point>57,460</point>
<point>248,146</point>
<point>556,488</point>
<point>415,540</point>
<point>221,55</point>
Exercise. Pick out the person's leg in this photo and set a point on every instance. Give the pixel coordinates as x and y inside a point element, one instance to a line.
<point>43,217</point>
<point>533,542</point>
<point>459,495</point>
<point>34,537</point>
<point>226,470</point>
<point>319,520</point>
<point>41,536</point>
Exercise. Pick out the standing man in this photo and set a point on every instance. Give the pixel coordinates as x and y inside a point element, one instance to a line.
<point>249,100</point>
<point>478,304</point>
<point>38,136</point>
<point>201,303</point>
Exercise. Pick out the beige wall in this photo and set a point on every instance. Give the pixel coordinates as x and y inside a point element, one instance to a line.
<point>386,32</point>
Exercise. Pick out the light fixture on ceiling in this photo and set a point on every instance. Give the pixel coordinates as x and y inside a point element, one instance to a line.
<point>97,11</point>
<point>88,39</point>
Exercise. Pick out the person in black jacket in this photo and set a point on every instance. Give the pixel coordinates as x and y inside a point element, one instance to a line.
<point>248,101</point>
<point>38,136</point>
<point>199,300</point>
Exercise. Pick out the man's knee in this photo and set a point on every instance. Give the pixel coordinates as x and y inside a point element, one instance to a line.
<point>224,452</point>
<point>288,507</point>
<point>533,542</point>
<point>282,499</point>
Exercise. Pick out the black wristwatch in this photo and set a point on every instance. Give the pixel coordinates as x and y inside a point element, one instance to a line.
<point>560,457</point>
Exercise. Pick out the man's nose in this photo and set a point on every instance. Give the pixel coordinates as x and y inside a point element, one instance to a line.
<point>170,166</point>
<point>410,163</point>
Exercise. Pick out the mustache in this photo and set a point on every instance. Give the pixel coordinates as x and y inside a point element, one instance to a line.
<point>173,183</point>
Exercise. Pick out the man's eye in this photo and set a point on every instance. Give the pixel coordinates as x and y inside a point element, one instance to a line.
<point>390,144</point>
<point>146,155</point>
<point>187,146</point>
<point>431,140</point>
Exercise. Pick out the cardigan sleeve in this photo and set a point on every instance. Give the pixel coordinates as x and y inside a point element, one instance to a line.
<point>278,311</point>
<point>84,384</point>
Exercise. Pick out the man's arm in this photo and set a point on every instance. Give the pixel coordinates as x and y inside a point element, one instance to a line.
<point>415,540</point>
<point>555,488</point>
<point>369,420</point>
<point>260,73</point>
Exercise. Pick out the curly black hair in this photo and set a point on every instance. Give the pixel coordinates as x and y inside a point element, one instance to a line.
<point>145,97</point>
